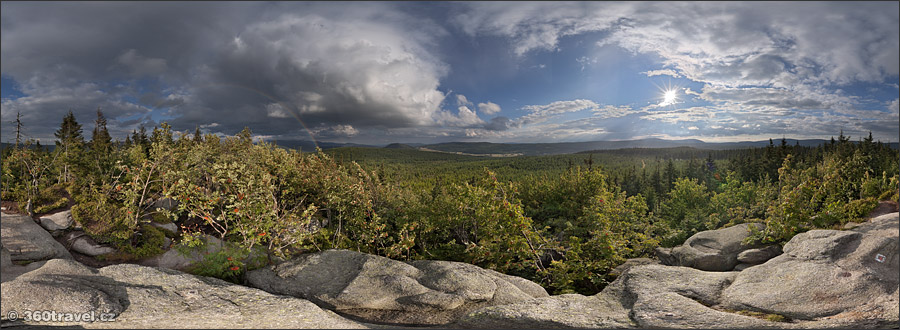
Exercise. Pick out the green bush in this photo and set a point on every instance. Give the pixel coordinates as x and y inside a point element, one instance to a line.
<point>146,243</point>
<point>104,219</point>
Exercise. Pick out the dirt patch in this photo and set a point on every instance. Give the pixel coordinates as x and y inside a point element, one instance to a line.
<point>11,207</point>
<point>884,207</point>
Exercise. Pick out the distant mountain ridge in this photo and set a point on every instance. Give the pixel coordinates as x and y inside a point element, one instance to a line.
<point>538,149</point>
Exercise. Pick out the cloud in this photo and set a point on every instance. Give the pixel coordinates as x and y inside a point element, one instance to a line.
<point>239,64</point>
<point>537,25</point>
<point>663,72</point>
<point>139,65</point>
<point>541,113</point>
<point>488,108</point>
<point>498,124</point>
<point>461,100</point>
<point>464,117</point>
<point>611,111</point>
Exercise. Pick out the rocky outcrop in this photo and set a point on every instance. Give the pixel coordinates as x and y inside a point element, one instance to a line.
<point>824,279</point>
<point>143,297</point>
<point>711,250</point>
<point>57,222</point>
<point>824,273</point>
<point>378,289</point>
<point>27,241</point>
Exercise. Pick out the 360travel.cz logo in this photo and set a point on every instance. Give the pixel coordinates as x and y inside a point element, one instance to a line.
<point>54,316</point>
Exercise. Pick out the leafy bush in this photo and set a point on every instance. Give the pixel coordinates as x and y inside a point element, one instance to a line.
<point>685,211</point>
<point>146,243</point>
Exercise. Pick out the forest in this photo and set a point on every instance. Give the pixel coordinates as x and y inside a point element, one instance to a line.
<point>563,221</point>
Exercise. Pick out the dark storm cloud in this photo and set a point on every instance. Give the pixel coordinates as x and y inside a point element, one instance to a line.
<point>225,63</point>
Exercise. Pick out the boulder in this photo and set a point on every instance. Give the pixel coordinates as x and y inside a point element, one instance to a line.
<point>711,250</point>
<point>171,226</point>
<point>84,244</point>
<point>26,240</point>
<point>143,297</point>
<point>742,266</point>
<point>181,257</point>
<point>165,203</point>
<point>824,273</point>
<point>378,289</point>
<point>57,222</point>
<point>760,255</point>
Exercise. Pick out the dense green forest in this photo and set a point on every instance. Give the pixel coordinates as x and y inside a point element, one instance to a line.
<point>563,221</point>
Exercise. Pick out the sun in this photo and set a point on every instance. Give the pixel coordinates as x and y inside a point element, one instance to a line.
<point>669,97</point>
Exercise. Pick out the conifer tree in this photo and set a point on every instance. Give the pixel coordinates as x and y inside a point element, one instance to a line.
<point>100,139</point>
<point>69,142</point>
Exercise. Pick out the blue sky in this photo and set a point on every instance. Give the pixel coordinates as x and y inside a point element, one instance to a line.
<point>382,72</point>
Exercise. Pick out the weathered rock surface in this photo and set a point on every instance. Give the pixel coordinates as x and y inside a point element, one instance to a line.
<point>382,290</point>
<point>82,243</point>
<point>562,311</point>
<point>9,270</point>
<point>143,297</point>
<point>760,255</point>
<point>711,250</point>
<point>827,273</point>
<point>57,221</point>
<point>26,240</point>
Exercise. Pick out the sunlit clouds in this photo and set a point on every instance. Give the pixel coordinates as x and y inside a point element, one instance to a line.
<point>383,72</point>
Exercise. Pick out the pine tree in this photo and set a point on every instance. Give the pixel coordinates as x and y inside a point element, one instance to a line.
<point>100,139</point>
<point>69,142</point>
<point>197,137</point>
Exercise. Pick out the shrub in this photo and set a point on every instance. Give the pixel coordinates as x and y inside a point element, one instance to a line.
<point>147,242</point>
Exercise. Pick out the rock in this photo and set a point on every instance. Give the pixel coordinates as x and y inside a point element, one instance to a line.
<point>57,221</point>
<point>26,240</point>
<point>562,311</point>
<point>143,297</point>
<point>9,270</point>
<point>760,255</point>
<point>382,290</point>
<point>712,250</point>
<point>5,259</point>
<point>643,296</point>
<point>63,286</point>
<point>621,269</point>
<point>171,227</point>
<point>182,258</point>
<point>165,203</point>
<point>84,244</point>
<point>742,266</point>
<point>672,310</point>
<point>851,225</point>
<point>824,273</point>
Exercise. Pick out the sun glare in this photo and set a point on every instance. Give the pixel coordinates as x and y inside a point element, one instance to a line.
<point>669,97</point>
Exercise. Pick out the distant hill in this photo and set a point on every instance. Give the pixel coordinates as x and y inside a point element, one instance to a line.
<point>399,146</point>
<point>536,149</point>
<point>309,146</point>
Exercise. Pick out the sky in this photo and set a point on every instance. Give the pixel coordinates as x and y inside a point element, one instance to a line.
<point>427,72</point>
